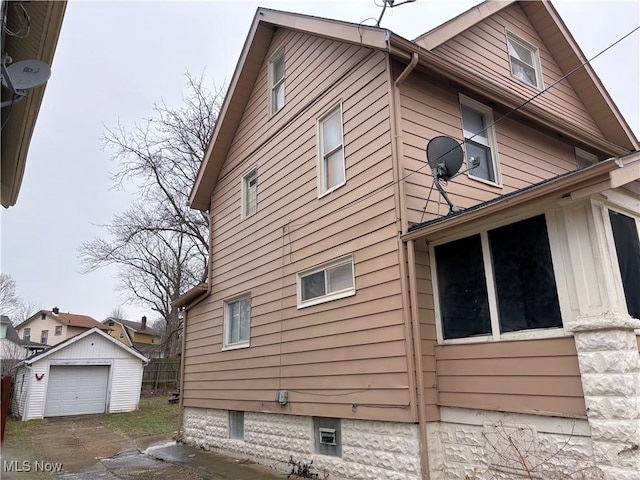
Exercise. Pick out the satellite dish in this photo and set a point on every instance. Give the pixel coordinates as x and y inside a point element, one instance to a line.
<point>25,75</point>
<point>445,155</point>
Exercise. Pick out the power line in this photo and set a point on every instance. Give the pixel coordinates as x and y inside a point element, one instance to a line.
<point>503,117</point>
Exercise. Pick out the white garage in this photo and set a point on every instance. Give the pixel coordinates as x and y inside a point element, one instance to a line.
<point>88,374</point>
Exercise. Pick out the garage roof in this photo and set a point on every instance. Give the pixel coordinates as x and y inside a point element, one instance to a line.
<point>79,337</point>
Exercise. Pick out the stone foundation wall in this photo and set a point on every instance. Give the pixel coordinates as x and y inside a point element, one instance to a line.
<point>371,450</point>
<point>478,445</point>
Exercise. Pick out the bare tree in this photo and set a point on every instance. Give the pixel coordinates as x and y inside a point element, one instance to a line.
<point>11,304</point>
<point>118,312</point>
<point>8,297</point>
<point>159,244</point>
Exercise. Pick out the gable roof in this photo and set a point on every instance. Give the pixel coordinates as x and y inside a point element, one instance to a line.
<point>619,137</point>
<point>69,319</point>
<point>135,326</point>
<point>77,338</point>
<point>565,50</point>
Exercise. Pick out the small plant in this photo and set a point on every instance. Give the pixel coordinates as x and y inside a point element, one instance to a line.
<point>301,469</point>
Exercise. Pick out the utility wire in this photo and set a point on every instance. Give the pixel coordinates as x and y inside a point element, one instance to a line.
<point>503,117</point>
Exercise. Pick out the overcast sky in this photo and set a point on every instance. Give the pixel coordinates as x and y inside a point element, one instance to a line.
<point>114,59</point>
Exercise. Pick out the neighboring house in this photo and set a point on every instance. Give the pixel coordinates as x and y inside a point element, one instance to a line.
<point>36,28</point>
<point>138,335</point>
<point>86,374</point>
<point>51,327</point>
<point>12,347</point>
<point>348,320</point>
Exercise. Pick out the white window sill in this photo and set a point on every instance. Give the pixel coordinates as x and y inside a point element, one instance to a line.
<point>484,180</point>
<point>331,190</point>
<point>539,333</point>
<point>236,346</point>
<point>327,298</point>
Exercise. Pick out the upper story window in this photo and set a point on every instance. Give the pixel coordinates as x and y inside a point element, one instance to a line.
<point>326,282</point>
<point>489,284</point>
<point>26,335</point>
<point>524,59</point>
<point>237,322</point>
<point>249,193</point>
<point>58,330</point>
<point>585,159</point>
<point>331,168</point>
<point>479,141</point>
<point>627,243</point>
<point>44,336</point>
<point>276,82</point>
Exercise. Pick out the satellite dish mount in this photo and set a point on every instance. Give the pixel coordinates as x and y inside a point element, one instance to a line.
<point>19,77</point>
<point>445,157</point>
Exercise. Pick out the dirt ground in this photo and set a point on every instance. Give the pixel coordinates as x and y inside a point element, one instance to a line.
<point>84,448</point>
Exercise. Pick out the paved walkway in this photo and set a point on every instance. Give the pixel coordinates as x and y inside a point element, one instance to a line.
<point>82,448</point>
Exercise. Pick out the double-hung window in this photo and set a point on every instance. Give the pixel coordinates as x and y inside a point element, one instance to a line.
<point>26,336</point>
<point>331,168</point>
<point>58,330</point>
<point>276,83</point>
<point>479,140</point>
<point>249,193</point>
<point>524,60</point>
<point>326,282</point>
<point>627,243</point>
<point>44,336</point>
<point>237,321</point>
<point>497,281</point>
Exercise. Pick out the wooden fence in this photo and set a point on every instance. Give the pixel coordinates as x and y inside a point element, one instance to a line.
<point>162,373</point>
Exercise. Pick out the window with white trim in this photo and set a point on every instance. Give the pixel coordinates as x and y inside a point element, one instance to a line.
<point>326,282</point>
<point>479,140</point>
<point>331,167</point>
<point>276,83</point>
<point>58,330</point>
<point>26,335</point>
<point>237,321</point>
<point>44,337</point>
<point>497,281</point>
<point>585,159</point>
<point>249,193</point>
<point>627,244</point>
<point>524,60</point>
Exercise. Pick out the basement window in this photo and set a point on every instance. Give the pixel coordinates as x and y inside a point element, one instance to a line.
<point>236,425</point>
<point>328,436</point>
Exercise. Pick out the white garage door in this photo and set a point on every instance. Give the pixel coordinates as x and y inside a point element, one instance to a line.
<point>76,390</point>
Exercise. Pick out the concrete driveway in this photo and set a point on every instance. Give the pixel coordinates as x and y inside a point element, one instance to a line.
<point>83,448</point>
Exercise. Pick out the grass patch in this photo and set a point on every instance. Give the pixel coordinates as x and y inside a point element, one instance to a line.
<point>154,417</point>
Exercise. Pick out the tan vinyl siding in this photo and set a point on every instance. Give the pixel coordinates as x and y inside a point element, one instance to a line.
<point>429,109</point>
<point>427,333</point>
<point>343,358</point>
<point>528,376</point>
<point>483,48</point>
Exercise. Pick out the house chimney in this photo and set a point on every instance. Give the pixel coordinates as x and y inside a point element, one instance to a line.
<point>56,310</point>
<point>143,326</point>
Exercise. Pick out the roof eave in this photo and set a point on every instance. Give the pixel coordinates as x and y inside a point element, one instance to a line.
<point>612,173</point>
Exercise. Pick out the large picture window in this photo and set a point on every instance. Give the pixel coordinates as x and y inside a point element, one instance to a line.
<point>498,281</point>
<point>237,321</point>
<point>627,242</point>
<point>326,282</point>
